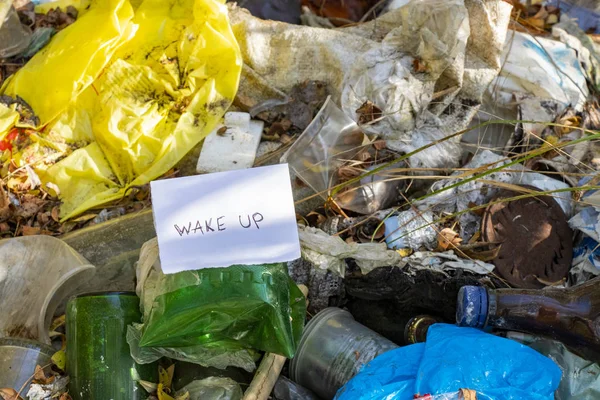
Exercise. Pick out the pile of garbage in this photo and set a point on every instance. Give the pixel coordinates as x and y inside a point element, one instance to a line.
<point>299,199</point>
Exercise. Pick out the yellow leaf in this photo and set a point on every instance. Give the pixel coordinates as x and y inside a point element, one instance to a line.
<point>404,252</point>
<point>165,376</point>
<point>185,396</point>
<point>58,321</point>
<point>60,359</point>
<point>161,393</point>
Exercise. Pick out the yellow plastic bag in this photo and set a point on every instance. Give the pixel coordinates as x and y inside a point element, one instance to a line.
<point>125,114</point>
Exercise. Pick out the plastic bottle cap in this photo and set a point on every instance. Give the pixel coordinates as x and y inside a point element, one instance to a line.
<point>472,307</point>
<point>393,235</point>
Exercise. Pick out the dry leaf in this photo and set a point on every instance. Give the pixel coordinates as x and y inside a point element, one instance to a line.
<point>379,144</point>
<point>477,211</point>
<point>475,237</point>
<point>58,322</point>
<point>30,206</point>
<point>541,14</point>
<point>55,214</point>
<point>40,377</point>
<point>467,394</point>
<point>488,254</point>
<point>419,65</point>
<point>30,230</point>
<point>149,386</point>
<point>536,23</point>
<point>347,173</point>
<point>285,138</point>
<point>363,155</point>
<point>5,211</point>
<point>85,218</point>
<point>448,238</point>
<point>9,394</point>
<point>368,112</point>
<point>317,217</point>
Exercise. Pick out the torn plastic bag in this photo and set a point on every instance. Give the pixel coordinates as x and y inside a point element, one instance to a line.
<point>36,274</point>
<point>587,14</point>
<point>207,356</point>
<point>542,68</point>
<point>255,306</point>
<point>131,94</point>
<point>286,389</point>
<point>217,311</point>
<point>329,252</point>
<point>586,249</point>
<point>469,47</point>
<point>581,378</point>
<point>148,274</point>
<point>14,36</point>
<point>540,77</point>
<point>433,33</point>
<point>455,358</point>
<point>212,388</point>
<point>478,193</point>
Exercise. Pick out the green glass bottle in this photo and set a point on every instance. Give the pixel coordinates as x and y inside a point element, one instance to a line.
<point>99,363</point>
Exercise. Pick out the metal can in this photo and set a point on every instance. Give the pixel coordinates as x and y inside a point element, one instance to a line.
<point>333,348</point>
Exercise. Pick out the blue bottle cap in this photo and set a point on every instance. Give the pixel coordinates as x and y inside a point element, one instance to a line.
<point>393,235</point>
<point>472,307</point>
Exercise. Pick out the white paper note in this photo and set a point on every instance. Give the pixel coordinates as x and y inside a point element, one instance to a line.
<point>226,218</point>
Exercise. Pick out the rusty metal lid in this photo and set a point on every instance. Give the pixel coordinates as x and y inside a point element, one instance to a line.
<point>536,241</point>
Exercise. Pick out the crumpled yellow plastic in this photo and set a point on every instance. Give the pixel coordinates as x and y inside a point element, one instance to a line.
<point>123,96</point>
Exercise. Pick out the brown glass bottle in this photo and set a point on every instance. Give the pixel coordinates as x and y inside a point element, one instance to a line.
<point>571,315</point>
<point>416,329</point>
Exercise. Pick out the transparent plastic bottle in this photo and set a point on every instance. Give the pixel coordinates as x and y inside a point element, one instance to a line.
<point>570,315</point>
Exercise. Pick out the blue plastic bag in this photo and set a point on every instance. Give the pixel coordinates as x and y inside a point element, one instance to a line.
<point>456,358</point>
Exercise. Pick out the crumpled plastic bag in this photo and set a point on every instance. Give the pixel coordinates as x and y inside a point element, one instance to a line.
<point>329,252</point>
<point>206,356</point>
<point>456,358</point>
<point>586,248</point>
<point>581,378</point>
<point>122,96</point>
<point>455,45</point>
<point>215,316</point>
<point>212,388</point>
<point>36,274</point>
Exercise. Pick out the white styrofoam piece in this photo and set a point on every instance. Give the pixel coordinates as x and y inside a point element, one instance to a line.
<point>238,119</point>
<point>234,149</point>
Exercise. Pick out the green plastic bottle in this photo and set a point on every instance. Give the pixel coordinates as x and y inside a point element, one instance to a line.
<point>99,363</point>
